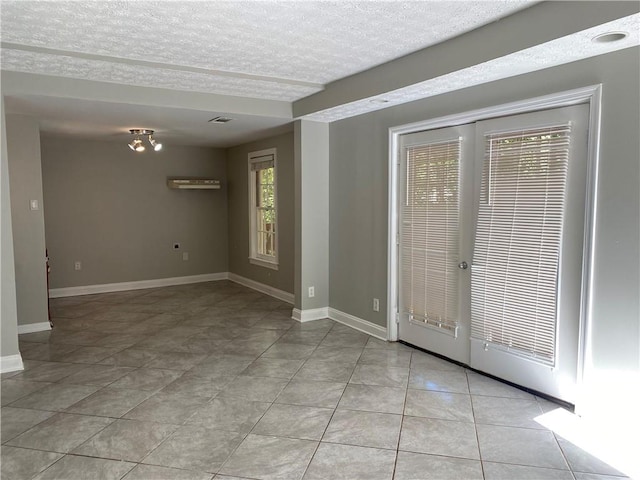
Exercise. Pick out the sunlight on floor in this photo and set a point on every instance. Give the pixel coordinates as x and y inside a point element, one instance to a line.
<point>610,442</point>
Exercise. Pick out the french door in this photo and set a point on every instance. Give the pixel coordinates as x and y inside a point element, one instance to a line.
<point>491,228</point>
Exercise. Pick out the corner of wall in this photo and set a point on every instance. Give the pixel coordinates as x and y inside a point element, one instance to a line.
<point>281,279</point>
<point>8,308</point>
<point>25,177</point>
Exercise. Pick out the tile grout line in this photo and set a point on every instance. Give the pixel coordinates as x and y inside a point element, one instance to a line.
<point>274,400</point>
<point>106,306</point>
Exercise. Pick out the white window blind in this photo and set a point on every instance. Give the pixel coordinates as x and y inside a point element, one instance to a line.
<point>262,163</point>
<point>430,234</point>
<point>514,279</point>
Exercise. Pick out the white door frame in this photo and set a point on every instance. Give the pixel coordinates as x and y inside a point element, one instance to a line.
<point>592,95</point>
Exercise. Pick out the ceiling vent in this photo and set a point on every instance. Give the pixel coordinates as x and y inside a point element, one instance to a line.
<point>220,120</point>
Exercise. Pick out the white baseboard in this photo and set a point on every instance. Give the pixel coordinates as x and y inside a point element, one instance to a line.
<point>167,282</point>
<point>310,315</point>
<point>358,323</point>
<point>261,287</point>
<point>340,317</point>
<point>299,315</point>
<point>34,327</point>
<point>11,363</point>
<point>139,285</point>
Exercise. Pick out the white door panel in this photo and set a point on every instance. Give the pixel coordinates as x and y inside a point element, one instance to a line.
<point>435,213</point>
<point>529,288</point>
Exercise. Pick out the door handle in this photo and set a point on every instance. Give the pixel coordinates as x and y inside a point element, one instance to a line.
<point>463,265</point>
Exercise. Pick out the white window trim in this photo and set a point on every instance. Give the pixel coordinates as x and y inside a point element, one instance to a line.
<point>264,263</point>
<point>592,95</point>
<point>254,257</point>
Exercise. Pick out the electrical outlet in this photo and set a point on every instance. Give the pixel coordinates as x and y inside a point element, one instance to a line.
<point>77,265</point>
<point>312,292</point>
<point>34,205</point>
<point>185,256</point>
<point>376,305</point>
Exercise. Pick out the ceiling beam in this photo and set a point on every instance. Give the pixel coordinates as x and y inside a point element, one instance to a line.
<point>541,23</point>
<point>20,84</point>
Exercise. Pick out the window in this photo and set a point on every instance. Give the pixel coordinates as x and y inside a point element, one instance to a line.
<point>263,245</point>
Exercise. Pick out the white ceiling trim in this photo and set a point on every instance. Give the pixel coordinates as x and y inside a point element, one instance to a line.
<point>144,76</point>
<point>557,52</point>
<point>159,65</point>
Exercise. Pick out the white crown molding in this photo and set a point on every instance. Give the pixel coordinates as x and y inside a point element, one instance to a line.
<point>358,323</point>
<point>139,285</point>
<point>34,327</point>
<point>310,315</point>
<point>11,363</point>
<point>261,287</point>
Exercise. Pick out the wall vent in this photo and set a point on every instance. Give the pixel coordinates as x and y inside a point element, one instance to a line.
<point>193,183</point>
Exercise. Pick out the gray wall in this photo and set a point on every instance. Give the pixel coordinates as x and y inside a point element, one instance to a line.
<point>110,208</point>
<point>311,147</point>
<point>358,200</point>
<point>25,175</point>
<point>8,307</point>
<point>237,174</point>
<point>358,215</point>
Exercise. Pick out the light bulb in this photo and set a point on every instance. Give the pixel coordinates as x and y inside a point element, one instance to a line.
<point>156,146</point>
<point>137,145</point>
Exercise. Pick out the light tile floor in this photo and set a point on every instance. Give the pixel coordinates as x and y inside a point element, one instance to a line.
<point>214,380</point>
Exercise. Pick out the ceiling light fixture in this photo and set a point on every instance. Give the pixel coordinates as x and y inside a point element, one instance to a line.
<point>137,146</point>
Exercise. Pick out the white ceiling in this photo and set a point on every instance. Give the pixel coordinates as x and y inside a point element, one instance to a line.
<point>280,50</point>
<point>112,121</point>
<point>272,52</point>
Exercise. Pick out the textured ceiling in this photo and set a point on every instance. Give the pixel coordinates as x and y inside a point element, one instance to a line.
<point>557,52</point>
<point>256,57</point>
<point>281,50</point>
<point>100,70</point>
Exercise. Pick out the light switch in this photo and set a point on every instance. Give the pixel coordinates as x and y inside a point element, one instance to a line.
<point>34,205</point>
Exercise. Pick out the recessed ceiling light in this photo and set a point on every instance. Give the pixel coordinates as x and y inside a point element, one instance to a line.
<point>610,37</point>
<point>220,120</point>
